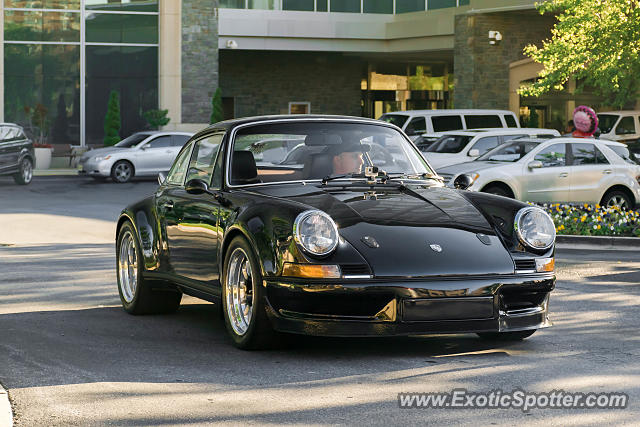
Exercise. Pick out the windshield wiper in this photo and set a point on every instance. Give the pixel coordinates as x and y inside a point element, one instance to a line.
<point>424,175</point>
<point>346,175</point>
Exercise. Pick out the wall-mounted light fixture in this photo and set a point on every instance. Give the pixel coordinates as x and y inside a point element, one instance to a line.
<point>231,44</point>
<point>494,37</point>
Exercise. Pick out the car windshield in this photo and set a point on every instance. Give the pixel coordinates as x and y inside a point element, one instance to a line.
<point>449,144</point>
<point>327,149</point>
<point>395,119</point>
<point>132,140</point>
<point>606,122</point>
<point>510,152</point>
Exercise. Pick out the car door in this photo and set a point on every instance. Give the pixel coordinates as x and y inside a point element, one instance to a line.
<point>155,156</point>
<point>551,182</point>
<point>194,237</point>
<point>589,172</point>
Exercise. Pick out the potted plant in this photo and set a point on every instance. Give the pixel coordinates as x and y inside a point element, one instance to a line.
<point>39,121</point>
<point>43,155</point>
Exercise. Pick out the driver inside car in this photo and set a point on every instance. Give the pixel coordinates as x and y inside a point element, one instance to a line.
<point>347,157</point>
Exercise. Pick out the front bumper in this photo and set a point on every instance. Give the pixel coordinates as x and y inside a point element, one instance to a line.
<point>411,307</point>
<point>92,168</point>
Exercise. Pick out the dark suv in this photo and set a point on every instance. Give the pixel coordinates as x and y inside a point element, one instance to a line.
<point>16,153</point>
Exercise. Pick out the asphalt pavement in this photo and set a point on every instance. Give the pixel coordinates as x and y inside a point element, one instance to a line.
<point>69,355</point>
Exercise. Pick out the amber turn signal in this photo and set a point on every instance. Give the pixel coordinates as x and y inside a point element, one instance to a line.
<point>311,271</point>
<point>545,264</point>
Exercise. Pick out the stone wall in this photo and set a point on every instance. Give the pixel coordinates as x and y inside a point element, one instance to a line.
<point>481,70</point>
<point>199,58</point>
<point>264,82</point>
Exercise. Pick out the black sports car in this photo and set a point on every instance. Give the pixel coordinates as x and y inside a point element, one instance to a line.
<point>359,238</point>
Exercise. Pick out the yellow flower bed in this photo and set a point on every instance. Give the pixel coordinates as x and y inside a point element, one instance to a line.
<point>593,220</point>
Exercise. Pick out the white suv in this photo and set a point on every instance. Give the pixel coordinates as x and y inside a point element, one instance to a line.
<point>621,126</point>
<point>555,170</point>
<point>417,122</point>
<point>462,146</point>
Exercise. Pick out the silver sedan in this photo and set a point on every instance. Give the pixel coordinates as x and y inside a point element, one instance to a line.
<point>141,154</point>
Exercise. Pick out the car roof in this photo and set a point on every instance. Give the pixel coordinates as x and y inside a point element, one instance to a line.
<point>499,131</point>
<point>162,132</point>
<point>620,112</point>
<point>452,111</point>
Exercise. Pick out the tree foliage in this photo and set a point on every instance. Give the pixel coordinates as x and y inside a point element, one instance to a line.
<point>112,120</point>
<point>217,115</point>
<point>156,118</point>
<point>597,42</point>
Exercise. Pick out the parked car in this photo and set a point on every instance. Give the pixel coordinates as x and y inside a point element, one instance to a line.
<point>141,154</point>
<point>418,122</point>
<point>424,141</point>
<point>621,126</point>
<point>322,251</point>
<point>17,156</point>
<point>555,170</point>
<point>462,146</point>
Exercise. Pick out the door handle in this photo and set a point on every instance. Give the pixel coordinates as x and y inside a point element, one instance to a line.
<point>168,205</point>
<point>563,175</point>
<point>606,171</point>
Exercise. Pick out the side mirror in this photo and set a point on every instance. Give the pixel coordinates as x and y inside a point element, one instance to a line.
<point>162,177</point>
<point>462,182</point>
<point>474,152</point>
<point>536,164</point>
<point>196,186</point>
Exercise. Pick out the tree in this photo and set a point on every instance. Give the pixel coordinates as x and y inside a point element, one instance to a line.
<point>597,42</point>
<point>217,114</point>
<point>156,118</point>
<point>533,118</point>
<point>112,120</point>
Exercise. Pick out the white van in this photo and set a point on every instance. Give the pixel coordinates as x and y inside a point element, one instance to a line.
<point>621,126</point>
<point>417,122</point>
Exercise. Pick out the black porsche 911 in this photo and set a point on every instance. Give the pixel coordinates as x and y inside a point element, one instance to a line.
<point>358,238</point>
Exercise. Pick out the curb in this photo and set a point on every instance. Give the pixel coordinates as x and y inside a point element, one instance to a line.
<point>6,414</point>
<point>55,172</point>
<point>598,242</point>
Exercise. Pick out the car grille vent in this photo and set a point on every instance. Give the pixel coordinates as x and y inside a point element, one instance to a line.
<point>525,264</point>
<point>447,177</point>
<point>355,270</point>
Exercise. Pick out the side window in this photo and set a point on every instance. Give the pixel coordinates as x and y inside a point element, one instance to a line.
<point>511,121</point>
<point>9,133</point>
<point>160,142</point>
<point>552,156</point>
<point>601,159</point>
<point>626,126</point>
<point>179,140</point>
<point>417,126</point>
<point>586,154</point>
<point>445,123</point>
<point>203,158</point>
<point>485,144</point>
<point>216,183</point>
<point>179,168</point>
<point>484,121</point>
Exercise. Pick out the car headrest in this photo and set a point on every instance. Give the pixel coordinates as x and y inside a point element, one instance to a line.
<point>243,168</point>
<point>322,139</point>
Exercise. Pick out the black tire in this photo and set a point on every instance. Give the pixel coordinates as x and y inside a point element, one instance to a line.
<point>122,171</point>
<point>617,198</point>
<point>25,172</point>
<point>148,297</point>
<point>497,190</point>
<point>259,334</point>
<point>507,336</point>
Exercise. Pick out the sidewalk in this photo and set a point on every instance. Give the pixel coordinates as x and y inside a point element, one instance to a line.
<point>59,167</point>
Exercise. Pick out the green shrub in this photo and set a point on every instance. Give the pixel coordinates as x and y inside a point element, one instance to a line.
<point>217,114</point>
<point>112,120</point>
<point>156,118</point>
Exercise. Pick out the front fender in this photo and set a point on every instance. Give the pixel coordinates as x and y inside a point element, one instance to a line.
<point>145,222</point>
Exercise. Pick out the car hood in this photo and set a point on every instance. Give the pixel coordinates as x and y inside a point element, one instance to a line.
<point>470,167</point>
<point>103,151</point>
<point>421,231</point>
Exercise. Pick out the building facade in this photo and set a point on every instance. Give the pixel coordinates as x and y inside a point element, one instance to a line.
<point>62,59</point>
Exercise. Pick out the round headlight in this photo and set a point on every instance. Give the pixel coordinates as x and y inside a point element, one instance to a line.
<point>535,228</point>
<point>316,232</point>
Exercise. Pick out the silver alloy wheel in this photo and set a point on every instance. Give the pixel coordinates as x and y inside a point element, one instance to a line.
<point>617,200</point>
<point>239,292</point>
<point>123,172</point>
<point>27,171</point>
<point>128,267</point>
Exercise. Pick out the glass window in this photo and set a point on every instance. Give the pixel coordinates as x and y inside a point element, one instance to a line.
<point>179,140</point>
<point>123,5</point>
<point>232,4</point>
<point>484,121</point>
<point>203,158</point>
<point>395,119</point>
<point>606,122</point>
<point>404,6</point>
<point>439,4</point>
<point>179,168</point>
<point>263,4</point>
<point>600,157</point>
<point>216,182</point>
<point>41,26</point>
<point>345,6</point>
<point>506,138</point>
<point>305,5</point>
<point>120,28</point>
<point>160,142</point>
<point>625,154</point>
<point>41,91</point>
<point>378,6</point>
<point>552,156</point>
<point>509,152</point>
<point>132,71</point>
<point>321,5</point>
<point>43,4</point>
<point>626,126</point>
<point>463,2</point>
<point>449,144</point>
<point>485,144</point>
<point>511,121</point>
<point>417,126</point>
<point>9,133</point>
<point>133,140</point>
<point>445,123</point>
<point>586,154</point>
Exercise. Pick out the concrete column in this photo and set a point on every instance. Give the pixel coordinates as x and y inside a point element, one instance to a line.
<point>170,61</point>
<point>2,62</point>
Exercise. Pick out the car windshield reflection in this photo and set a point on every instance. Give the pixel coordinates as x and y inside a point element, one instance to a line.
<point>509,152</point>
